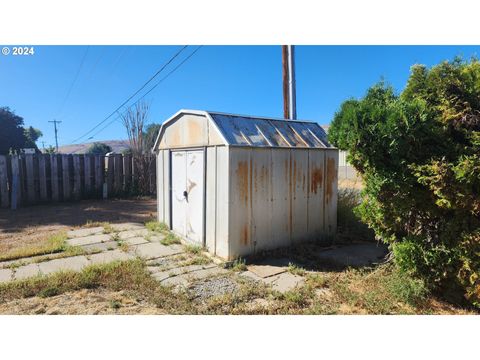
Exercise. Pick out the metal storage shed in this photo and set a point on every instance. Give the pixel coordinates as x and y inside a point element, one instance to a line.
<point>239,184</point>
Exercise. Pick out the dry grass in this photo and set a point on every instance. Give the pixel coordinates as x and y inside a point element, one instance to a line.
<point>52,244</point>
<point>380,291</point>
<point>129,276</point>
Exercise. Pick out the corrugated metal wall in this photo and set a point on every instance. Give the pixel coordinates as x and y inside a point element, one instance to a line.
<point>277,197</point>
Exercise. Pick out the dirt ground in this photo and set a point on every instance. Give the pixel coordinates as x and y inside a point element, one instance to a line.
<point>34,224</point>
<point>81,302</point>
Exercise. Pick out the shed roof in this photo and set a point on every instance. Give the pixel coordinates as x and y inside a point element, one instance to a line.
<point>244,130</point>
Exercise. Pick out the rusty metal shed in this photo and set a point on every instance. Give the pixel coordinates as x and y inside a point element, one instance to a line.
<point>239,184</point>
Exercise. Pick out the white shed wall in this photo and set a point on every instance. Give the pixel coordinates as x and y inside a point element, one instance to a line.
<point>276,197</point>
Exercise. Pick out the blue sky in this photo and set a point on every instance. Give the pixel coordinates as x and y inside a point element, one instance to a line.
<point>235,79</point>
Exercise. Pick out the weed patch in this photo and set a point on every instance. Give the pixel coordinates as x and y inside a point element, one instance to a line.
<point>156,226</point>
<point>53,244</point>
<point>170,239</point>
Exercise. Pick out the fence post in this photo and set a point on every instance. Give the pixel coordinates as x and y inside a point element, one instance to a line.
<point>3,182</point>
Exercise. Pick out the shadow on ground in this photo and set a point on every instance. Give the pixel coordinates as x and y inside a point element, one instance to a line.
<point>314,257</point>
<point>77,213</point>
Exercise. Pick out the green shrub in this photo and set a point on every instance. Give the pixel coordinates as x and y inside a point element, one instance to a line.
<point>419,157</point>
<point>349,224</point>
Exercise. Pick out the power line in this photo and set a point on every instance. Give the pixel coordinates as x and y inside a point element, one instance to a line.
<point>74,80</point>
<point>153,87</point>
<point>126,101</point>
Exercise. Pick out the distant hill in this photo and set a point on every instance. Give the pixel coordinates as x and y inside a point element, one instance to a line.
<point>117,146</point>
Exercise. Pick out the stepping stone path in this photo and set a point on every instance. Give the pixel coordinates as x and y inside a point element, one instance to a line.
<point>274,272</point>
<point>168,264</point>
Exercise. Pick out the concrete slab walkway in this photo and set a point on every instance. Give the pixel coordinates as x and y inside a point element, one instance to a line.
<point>171,265</point>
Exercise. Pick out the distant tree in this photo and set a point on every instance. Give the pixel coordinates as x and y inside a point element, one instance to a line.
<point>135,121</point>
<point>99,149</point>
<point>50,150</point>
<point>31,137</point>
<point>151,135</point>
<point>12,135</point>
<point>127,151</point>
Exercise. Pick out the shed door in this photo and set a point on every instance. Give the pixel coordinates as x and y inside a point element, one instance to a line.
<point>187,194</point>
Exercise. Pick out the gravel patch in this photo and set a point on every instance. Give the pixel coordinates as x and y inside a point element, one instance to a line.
<point>213,287</point>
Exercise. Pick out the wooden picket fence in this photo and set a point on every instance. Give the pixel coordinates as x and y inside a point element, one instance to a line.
<point>42,178</point>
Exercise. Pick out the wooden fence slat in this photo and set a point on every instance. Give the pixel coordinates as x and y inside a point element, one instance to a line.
<point>4,200</point>
<point>23,179</point>
<point>16,182</point>
<point>66,177</point>
<point>127,170</point>
<point>42,176</point>
<point>118,169</point>
<point>110,175</point>
<point>30,177</point>
<point>77,177</point>
<point>87,165</point>
<point>99,174</point>
<point>54,171</point>
<point>46,178</point>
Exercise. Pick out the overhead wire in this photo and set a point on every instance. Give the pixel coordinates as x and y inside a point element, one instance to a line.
<point>133,95</point>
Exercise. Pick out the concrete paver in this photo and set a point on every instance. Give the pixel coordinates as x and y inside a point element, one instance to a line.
<point>75,263</point>
<point>157,237</point>
<point>135,240</point>
<point>88,240</point>
<point>265,271</point>
<point>155,250</point>
<point>285,281</point>
<point>109,256</point>
<point>176,281</point>
<point>105,246</point>
<point>132,233</point>
<point>127,226</point>
<point>85,232</point>
<point>251,276</point>
<point>204,273</point>
<point>5,275</point>
<point>162,275</point>
<point>26,271</point>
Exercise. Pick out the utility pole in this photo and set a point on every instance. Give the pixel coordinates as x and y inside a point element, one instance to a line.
<point>288,74</point>
<point>55,122</point>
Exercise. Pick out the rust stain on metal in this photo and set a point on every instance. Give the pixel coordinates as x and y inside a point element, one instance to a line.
<point>316,180</point>
<point>191,185</point>
<point>242,178</point>
<point>245,238</point>
<point>331,178</point>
